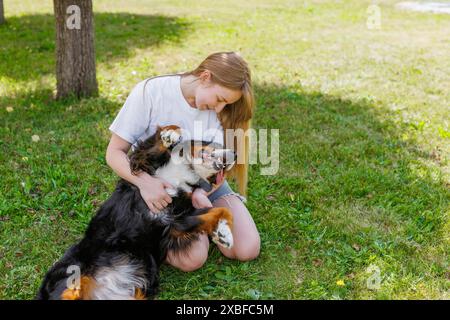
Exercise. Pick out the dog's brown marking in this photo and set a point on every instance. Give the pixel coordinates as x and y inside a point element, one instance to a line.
<point>159,143</point>
<point>139,295</point>
<point>212,217</point>
<point>87,286</point>
<point>172,127</point>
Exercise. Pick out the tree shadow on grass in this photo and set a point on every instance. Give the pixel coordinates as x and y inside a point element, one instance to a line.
<point>27,43</point>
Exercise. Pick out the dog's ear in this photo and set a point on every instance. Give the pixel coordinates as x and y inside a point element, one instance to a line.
<point>139,157</point>
<point>158,130</point>
<point>137,160</point>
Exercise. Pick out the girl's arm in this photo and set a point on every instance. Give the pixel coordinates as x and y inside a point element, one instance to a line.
<point>200,197</point>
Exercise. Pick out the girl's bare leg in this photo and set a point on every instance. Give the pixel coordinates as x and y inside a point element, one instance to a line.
<point>245,237</point>
<point>192,259</point>
<point>245,234</point>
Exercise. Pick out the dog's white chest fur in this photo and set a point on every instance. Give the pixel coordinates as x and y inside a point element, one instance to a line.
<point>178,174</point>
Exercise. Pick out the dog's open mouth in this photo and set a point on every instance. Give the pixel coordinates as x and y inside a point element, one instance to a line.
<point>214,164</point>
<point>219,177</point>
<point>217,166</point>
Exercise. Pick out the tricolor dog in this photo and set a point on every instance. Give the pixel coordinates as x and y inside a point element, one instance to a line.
<point>124,245</point>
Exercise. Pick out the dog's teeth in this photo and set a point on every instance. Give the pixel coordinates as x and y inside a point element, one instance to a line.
<point>222,235</point>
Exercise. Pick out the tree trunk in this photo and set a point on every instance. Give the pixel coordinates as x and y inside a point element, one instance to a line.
<point>75,54</point>
<point>2,13</point>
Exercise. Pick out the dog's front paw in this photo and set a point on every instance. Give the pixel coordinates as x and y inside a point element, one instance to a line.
<point>170,136</point>
<point>222,235</point>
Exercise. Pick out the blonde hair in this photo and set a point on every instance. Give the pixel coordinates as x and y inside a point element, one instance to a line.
<point>229,69</point>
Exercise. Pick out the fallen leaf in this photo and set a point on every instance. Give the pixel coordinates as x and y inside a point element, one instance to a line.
<point>317,262</point>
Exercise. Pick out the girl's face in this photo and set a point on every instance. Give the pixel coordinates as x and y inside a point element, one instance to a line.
<point>211,96</point>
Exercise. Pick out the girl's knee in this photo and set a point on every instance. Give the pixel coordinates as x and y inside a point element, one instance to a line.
<point>248,250</point>
<point>193,259</point>
<point>189,265</point>
<point>245,250</point>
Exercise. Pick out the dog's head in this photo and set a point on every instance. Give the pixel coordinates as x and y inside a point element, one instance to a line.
<point>207,159</point>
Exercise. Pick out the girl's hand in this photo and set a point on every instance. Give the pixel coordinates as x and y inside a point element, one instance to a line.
<point>153,192</point>
<point>200,199</point>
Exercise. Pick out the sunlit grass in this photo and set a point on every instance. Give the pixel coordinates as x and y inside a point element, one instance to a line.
<point>364,142</point>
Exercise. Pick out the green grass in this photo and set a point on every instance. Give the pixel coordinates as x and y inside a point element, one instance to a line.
<point>364,143</point>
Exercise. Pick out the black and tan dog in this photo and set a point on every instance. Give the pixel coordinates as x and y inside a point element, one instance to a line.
<point>125,244</point>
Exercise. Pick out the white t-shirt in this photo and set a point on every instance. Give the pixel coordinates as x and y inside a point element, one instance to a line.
<point>160,101</point>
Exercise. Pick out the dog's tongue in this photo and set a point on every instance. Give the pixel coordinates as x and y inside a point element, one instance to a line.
<point>219,177</point>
